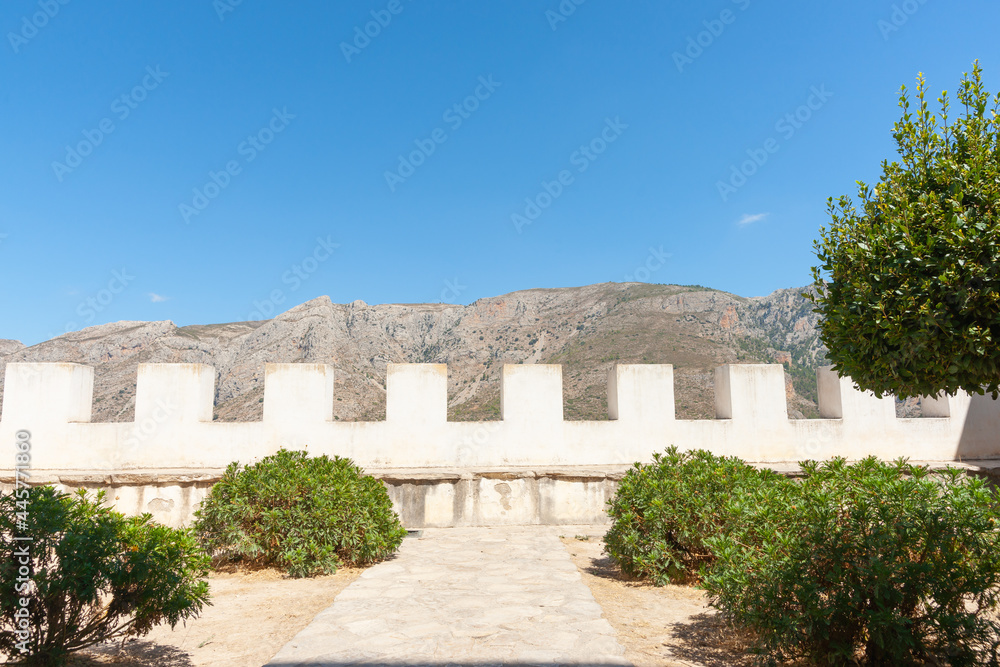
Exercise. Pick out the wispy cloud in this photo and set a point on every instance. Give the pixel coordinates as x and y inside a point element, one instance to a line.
<point>749,219</point>
<point>156,298</point>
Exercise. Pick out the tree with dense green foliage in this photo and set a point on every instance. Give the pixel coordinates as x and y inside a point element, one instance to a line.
<point>306,515</point>
<point>909,282</point>
<point>75,573</point>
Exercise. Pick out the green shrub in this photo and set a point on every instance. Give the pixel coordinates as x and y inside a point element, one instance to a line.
<point>91,574</point>
<point>884,563</point>
<point>305,515</point>
<point>664,511</point>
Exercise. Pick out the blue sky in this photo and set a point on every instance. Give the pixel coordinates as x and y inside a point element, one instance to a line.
<point>221,161</point>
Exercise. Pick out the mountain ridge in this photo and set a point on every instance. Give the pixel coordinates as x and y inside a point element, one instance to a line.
<point>587,329</point>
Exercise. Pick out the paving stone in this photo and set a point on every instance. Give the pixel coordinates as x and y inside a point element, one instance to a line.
<point>503,595</point>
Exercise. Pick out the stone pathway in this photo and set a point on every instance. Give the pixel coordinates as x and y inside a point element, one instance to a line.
<point>483,596</point>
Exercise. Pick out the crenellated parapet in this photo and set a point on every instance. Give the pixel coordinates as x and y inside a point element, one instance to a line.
<point>173,427</point>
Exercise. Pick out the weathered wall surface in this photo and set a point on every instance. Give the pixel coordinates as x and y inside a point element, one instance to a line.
<point>173,427</point>
<point>515,470</point>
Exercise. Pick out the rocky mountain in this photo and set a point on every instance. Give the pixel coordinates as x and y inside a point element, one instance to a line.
<point>587,329</point>
<point>9,346</point>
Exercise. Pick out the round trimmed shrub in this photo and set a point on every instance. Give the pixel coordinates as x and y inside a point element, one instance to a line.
<point>75,573</point>
<point>305,515</point>
<point>663,512</point>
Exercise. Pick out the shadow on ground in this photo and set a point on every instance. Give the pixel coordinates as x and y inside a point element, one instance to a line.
<point>670,625</point>
<point>136,653</point>
<point>443,663</point>
<point>605,568</point>
<point>706,640</point>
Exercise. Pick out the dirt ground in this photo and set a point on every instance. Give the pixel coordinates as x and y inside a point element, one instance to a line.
<point>669,626</point>
<point>254,613</point>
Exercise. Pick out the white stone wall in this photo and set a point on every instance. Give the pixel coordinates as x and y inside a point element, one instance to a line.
<point>174,427</point>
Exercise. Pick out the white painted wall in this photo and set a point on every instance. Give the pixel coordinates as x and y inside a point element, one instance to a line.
<point>173,427</point>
